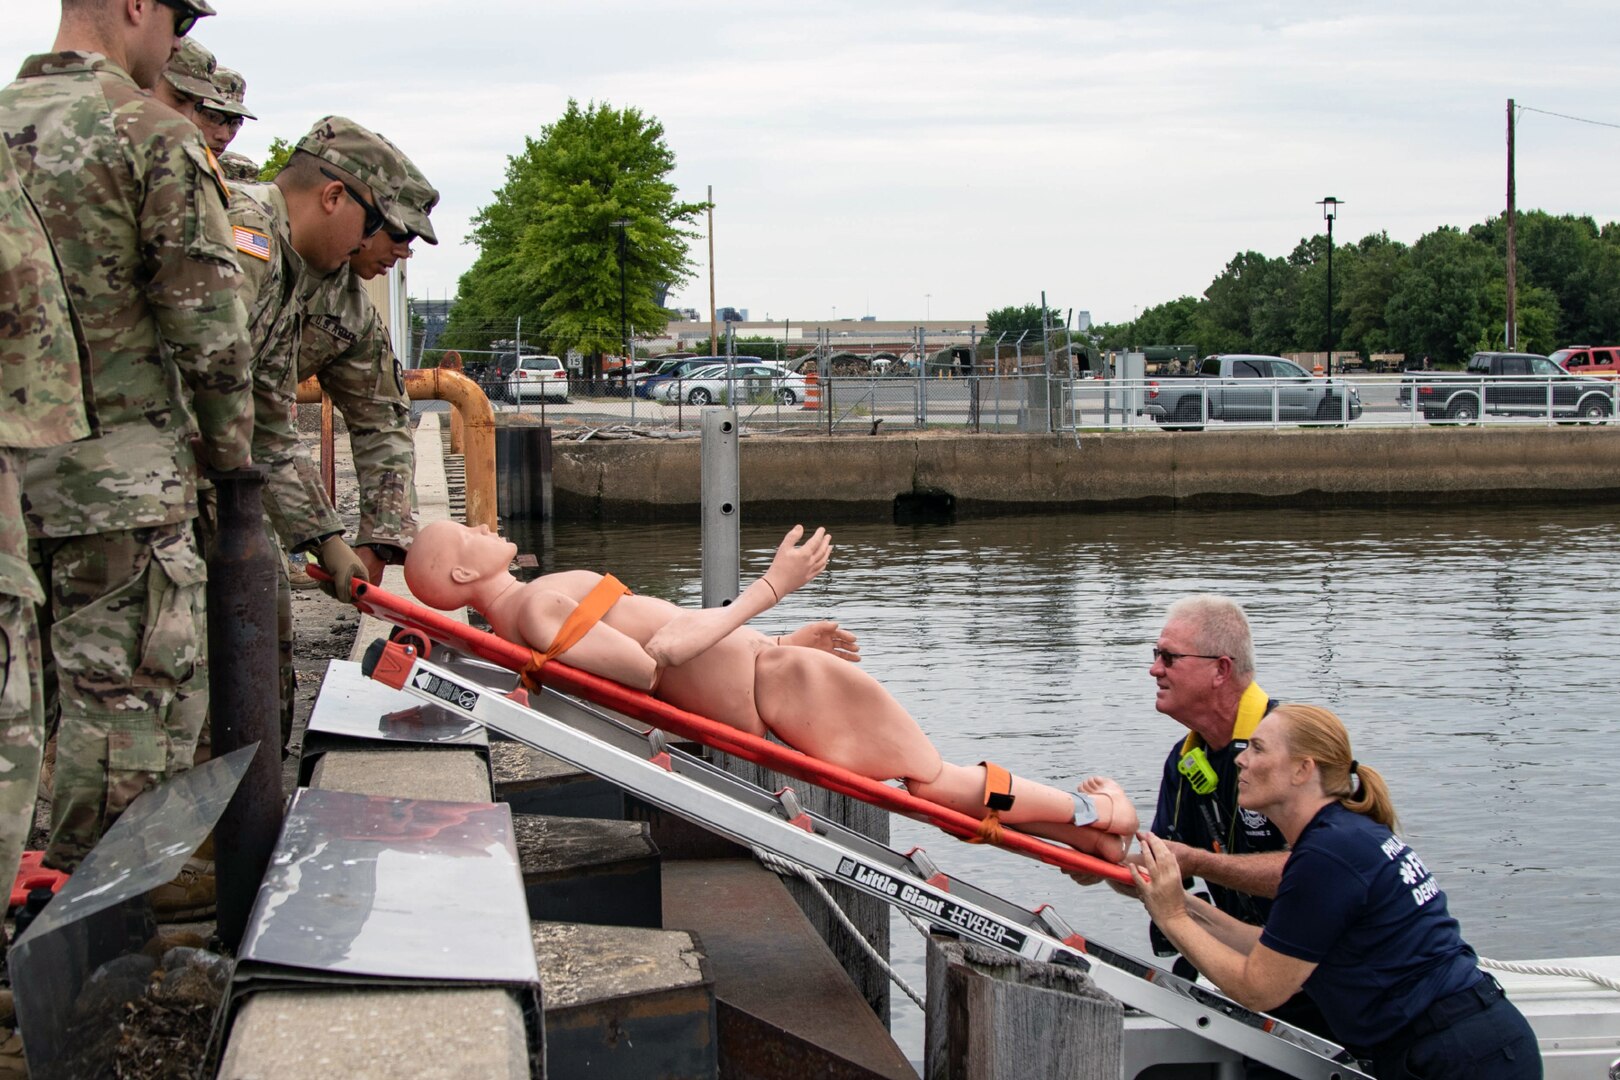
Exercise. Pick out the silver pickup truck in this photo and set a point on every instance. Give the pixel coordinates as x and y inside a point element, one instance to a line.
<point>1239,386</point>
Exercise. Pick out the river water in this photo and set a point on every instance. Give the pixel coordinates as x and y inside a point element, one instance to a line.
<point>1469,650</point>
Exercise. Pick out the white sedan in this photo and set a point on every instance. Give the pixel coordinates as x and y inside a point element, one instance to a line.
<point>539,377</point>
<point>747,382</point>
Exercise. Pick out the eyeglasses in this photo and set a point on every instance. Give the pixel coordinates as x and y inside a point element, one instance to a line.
<point>401,237</point>
<point>184,17</point>
<point>214,116</point>
<point>374,214</point>
<point>1169,658</point>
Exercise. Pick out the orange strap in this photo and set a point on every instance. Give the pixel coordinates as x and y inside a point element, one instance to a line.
<point>989,830</point>
<point>587,614</point>
<point>997,787</point>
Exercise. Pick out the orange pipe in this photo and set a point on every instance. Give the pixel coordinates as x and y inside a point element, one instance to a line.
<point>471,411</point>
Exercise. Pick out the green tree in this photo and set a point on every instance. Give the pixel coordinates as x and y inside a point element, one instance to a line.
<point>1013,321</point>
<point>1438,305</point>
<point>587,200</point>
<point>276,159</point>
<point>1251,306</point>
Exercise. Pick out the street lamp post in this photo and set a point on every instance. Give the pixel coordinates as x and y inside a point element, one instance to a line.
<point>1330,208</point>
<point>623,225</point>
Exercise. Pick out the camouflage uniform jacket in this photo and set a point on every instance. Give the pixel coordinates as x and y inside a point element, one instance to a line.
<point>42,355</point>
<point>126,191</point>
<point>273,280</point>
<point>345,345</point>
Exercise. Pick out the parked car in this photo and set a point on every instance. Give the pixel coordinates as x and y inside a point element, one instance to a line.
<point>1245,387</point>
<point>1601,363</point>
<point>669,369</point>
<point>746,382</point>
<point>539,377</point>
<point>1510,384</point>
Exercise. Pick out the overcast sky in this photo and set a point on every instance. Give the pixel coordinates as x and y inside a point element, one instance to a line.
<point>908,160</point>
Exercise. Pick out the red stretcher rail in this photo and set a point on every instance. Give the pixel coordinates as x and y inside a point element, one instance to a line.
<point>437,626</point>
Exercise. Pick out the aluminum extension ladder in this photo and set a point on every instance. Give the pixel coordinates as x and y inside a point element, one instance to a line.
<point>644,763</point>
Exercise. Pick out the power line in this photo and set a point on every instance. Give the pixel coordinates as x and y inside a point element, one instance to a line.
<point>1566,116</point>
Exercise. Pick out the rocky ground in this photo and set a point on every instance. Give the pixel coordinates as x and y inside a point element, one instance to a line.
<point>166,998</point>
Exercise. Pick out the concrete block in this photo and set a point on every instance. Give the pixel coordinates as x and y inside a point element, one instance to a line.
<point>623,1002</point>
<point>786,1006</point>
<point>374,1034</point>
<point>533,782</point>
<point>444,775</point>
<point>587,870</point>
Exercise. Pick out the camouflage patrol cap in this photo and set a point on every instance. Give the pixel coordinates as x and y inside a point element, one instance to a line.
<point>196,7</point>
<point>417,198</point>
<point>365,156</point>
<point>191,71</point>
<point>229,89</point>
<point>238,166</point>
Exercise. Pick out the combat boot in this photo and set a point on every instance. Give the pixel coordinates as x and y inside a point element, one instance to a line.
<point>12,1062</point>
<point>189,896</point>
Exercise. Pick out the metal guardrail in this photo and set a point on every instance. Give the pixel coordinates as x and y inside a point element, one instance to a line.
<point>1032,403</point>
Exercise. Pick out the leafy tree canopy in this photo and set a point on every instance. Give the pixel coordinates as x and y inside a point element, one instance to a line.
<point>1444,297</point>
<point>1013,321</point>
<point>276,159</point>
<point>585,208</point>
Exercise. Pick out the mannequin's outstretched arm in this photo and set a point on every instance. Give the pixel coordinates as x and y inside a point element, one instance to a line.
<point>693,632</point>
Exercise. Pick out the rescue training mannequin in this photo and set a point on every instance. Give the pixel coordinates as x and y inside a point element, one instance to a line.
<point>802,687</point>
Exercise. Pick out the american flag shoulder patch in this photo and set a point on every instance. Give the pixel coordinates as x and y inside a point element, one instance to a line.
<point>252,242</point>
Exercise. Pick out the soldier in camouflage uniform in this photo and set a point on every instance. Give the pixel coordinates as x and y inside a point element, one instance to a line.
<point>337,190</point>
<point>41,381</point>
<point>188,81</point>
<point>346,347</point>
<point>127,191</point>
<point>221,118</point>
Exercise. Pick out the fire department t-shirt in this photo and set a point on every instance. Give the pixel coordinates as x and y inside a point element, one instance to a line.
<point>1360,904</point>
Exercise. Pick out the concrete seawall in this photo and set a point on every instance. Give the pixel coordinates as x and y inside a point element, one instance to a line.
<point>854,478</point>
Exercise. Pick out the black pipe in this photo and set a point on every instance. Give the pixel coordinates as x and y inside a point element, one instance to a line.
<point>242,682</point>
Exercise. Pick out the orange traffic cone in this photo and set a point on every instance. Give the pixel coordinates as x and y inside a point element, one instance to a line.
<point>812,391</point>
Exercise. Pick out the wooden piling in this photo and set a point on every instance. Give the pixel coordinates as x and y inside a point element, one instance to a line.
<point>994,1015</point>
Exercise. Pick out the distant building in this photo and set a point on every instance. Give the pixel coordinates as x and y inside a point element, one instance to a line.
<point>1082,321</point>
<point>731,314</point>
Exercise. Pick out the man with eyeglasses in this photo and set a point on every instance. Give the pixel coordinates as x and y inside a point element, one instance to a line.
<point>221,118</point>
<point>129,196</point>
<point>346,346</point>
<point>1203,664</point>
<point>338,189</point>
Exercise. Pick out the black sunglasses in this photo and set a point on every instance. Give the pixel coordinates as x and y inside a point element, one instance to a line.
<point>374,214</point>
<point>1170,658</point>
<point>214,116</point>
<point>184,17</point>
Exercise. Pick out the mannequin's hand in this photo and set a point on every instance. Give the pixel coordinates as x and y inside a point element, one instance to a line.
<point>796,564</point>
<point>827,637</point>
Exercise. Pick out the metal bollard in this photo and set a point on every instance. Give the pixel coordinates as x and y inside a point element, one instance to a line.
<point>719,489</point>
<point>242,682</point>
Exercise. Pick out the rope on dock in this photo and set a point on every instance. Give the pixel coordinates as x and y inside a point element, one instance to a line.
<point>782,866</point>
<point>1520,968</point>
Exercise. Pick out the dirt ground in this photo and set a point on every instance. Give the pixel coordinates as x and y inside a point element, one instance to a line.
<point>162,1033</point>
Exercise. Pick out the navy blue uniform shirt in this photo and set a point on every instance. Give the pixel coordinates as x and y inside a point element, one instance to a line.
<point>1360,904</point>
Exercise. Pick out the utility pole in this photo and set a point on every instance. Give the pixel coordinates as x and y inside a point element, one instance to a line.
<point>714,323</point>
<point>1511,337</point>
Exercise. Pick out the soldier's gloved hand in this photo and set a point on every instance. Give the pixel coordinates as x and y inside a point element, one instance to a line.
<point>339,559</point>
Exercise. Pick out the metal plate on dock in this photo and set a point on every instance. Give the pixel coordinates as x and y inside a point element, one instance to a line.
<point>352,706</point>
<point>73,969</point>
<point>393,888</point>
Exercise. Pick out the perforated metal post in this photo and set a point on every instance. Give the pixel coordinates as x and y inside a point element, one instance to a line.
<point>719,489</point>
